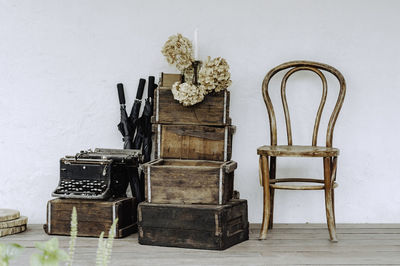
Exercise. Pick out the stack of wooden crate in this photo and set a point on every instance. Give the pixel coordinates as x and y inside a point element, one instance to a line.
<point>189,185</point>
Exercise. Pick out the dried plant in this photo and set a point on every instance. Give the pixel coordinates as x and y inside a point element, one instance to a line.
<point>178,51</point>
<point>74,234</point>
<point>52,255</point>
<point>215,75</point>
<point>100,250</point>
<point>104,247</point>
<point>188,94</point>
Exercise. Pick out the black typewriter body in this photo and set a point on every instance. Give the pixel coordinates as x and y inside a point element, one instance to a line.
<point>98,174</point>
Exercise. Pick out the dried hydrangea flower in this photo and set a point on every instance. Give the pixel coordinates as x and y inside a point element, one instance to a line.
<point>215,75</point>
<point>178,51</point>
<point>188,94</point>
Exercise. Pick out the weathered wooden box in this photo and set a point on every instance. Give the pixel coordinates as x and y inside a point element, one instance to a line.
<point>194,142</point>
<point>214,110</point>
<point>168,79</point>
<point>94,216</point>
<point>189,181</point>
<point>193,226</point>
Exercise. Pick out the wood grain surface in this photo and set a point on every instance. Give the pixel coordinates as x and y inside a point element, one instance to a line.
<point>193,226</point>
<point>193,142</point>
<point>213,110</point>
<point>287,244</point>
<point>189,181</point>
<point>22,220</point>
<point>8,214</point>
<point>12,230</point>
<point>94,216</point>
<point>297,151</point>
<point>168,79</point>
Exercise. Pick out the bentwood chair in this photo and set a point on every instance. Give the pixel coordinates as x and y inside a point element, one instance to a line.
<point>328,154</point>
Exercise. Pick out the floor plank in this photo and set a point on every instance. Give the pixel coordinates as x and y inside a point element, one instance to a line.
<point>286,244</point>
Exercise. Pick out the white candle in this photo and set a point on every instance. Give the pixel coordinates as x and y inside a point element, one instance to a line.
<point>196,45</point>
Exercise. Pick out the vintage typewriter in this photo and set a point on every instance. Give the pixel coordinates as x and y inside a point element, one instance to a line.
<point>99,174</point>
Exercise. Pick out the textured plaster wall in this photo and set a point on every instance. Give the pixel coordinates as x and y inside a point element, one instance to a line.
<point>60,61</point>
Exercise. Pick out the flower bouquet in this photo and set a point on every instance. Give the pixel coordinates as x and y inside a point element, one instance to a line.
<point>198,79</point>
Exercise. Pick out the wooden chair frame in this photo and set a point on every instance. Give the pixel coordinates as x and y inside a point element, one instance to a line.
<point>268,154</point>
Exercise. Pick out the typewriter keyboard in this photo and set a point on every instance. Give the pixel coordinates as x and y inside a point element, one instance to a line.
<point>82,187</point>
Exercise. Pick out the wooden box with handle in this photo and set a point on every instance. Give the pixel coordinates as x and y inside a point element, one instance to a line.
<point>212,111</point>
<point>193,142</point>
<point>94,216</point>
<point>214,227</point>
<point>189,181</point>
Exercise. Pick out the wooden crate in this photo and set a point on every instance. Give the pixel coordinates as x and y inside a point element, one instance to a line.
<point>94,216</point>
<point>214,110</point>
<point>168,79</point>
<point>193,226</point>
<point>193,142</point>
<point>189,181</point>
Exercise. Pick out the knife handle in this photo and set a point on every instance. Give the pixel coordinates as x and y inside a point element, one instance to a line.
<point>140,89</point>
<point>150,92</point>
<point>121,94</point>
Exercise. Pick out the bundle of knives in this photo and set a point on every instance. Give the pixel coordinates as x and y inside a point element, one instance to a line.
<point>137,131</point>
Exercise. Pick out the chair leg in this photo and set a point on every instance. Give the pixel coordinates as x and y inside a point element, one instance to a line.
<point>271,212</point>
<point>267,196</point>
<point>333,168</point>
<point>272,175</point>
<point>329,205</point>
<point>333,206</point>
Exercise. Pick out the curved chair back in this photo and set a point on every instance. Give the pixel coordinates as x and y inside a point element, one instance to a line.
<point>293,67</point>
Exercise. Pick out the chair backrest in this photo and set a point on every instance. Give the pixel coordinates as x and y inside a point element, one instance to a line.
<point>293,67</point>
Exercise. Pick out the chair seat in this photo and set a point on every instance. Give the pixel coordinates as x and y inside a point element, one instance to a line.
<point>297,151</point>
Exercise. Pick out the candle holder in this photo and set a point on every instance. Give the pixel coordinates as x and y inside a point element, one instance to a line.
<point>196,67</point>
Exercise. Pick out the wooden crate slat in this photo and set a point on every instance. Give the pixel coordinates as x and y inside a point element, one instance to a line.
<point>167,79</point>
<point>193,226</point>
<point>94,216</point>
<point>189,181</point>
<point>193,142</point>
<point>213,110</point>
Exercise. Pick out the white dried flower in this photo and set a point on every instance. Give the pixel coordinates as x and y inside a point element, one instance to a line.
<point>188,94</point>
<point>178,51</point>
<point>74,234</point>
<point>215,75</point>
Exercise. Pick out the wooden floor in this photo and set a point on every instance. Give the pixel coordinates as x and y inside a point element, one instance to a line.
<point>287,244</point>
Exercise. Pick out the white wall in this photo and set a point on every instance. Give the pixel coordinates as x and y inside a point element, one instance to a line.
<point>60,62</point>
